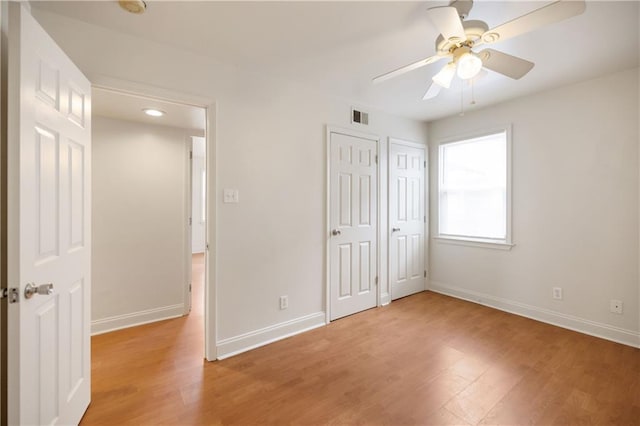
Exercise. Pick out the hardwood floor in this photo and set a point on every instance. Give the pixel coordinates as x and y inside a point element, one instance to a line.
<point>426,359</point>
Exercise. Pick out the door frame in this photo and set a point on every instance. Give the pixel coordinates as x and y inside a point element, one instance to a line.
<point>190,214</point>
<point>210,106</point>
<point>188,256</point>
<point>4,64</point>
<point>403,142</point>
<point>327,259</point>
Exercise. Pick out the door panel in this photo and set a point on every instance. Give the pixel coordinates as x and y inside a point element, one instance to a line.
<point>198,202</point>
<point>406,219</point>
<point>50,152</point>
<point>353,216</point>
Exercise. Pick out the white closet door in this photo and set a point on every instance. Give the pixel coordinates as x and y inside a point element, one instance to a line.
<point>407,219</point>
<point>353,222</point>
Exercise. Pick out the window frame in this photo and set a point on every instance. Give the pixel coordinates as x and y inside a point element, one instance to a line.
<point>501,244</point>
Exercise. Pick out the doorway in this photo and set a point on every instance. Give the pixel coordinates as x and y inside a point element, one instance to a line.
<point>143,209</point>
<point>49,103</point>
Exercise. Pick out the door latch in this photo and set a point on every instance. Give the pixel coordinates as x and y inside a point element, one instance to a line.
<point>10,293</point>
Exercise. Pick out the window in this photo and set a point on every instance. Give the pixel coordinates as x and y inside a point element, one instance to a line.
<point>474,189</point>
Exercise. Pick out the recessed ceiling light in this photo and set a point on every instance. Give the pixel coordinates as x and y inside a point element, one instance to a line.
<point>133,6</point>
<point>153,112</point>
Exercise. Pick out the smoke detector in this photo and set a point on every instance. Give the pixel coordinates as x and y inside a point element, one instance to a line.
<point>133,6</point>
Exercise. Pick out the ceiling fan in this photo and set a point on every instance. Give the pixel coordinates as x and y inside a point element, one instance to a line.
<point>459,37</point>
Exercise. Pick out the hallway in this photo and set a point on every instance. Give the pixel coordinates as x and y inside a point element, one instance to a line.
<point>138,372</point>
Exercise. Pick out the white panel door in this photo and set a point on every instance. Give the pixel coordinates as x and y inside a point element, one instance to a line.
<point>407,219</point>
<point>198,188</point>
<point>49,360</point>
<point>353,221</point>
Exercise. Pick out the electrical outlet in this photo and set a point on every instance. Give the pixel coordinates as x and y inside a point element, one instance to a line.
<point>615,306</point>
<point>557,293</point>
<point>284,302</point>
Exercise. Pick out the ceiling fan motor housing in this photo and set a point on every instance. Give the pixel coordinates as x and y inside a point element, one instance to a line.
<point>472,29</point>
<point>463,7</point>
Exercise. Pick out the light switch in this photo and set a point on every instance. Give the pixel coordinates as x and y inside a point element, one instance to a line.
<point>231,196</point>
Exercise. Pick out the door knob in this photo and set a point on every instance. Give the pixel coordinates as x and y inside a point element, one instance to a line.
<point>336,232</point>
<point>44,289</point>
<point>395,230</point>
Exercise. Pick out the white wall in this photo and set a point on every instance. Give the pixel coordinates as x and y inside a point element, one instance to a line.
<point>270,138</point>
<point>139,214</point>
<point>575,209</point>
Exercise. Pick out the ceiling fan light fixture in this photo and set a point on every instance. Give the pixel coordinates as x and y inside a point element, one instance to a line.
<point>445,76</point>
<point>469,65</point>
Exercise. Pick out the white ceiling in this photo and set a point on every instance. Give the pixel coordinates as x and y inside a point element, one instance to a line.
<point>338,47</point>
<point>108,103</point>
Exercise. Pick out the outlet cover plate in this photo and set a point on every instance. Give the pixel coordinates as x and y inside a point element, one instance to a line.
<point>557,293</point>
<point>615,306</point>
<point>284,302</point>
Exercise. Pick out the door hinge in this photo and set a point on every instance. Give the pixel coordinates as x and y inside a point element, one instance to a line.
<point>189,286</point>
<point>376,159</point>
<point>10,293</point>
<point>376,281</point>
<point>425,164</point>
<point>190,155</point>
<point>425,219</point>
<point>425,273</point>
<point>190,220</point>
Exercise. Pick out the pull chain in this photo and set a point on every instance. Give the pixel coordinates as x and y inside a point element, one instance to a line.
<point>473,96</point>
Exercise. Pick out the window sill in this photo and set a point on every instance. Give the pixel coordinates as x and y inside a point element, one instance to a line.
<point>474,242</point>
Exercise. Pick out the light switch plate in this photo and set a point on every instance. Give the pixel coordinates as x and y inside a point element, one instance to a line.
<point>231,196</point>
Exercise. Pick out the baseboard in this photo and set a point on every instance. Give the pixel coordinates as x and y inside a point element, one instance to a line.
<point>118,322</point>
<point>244,342</point>
<point>581,325</point>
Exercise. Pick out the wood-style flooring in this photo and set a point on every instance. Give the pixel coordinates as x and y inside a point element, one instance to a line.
<point>426,359</point>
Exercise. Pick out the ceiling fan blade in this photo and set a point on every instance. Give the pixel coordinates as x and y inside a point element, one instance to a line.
<point>549,14</point>
<point>407,68</point>
<point>505,64</point>
<point>447,21</point>
<point>432,92</point>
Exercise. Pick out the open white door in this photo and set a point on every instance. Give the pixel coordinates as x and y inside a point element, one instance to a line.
<point>49,218</point>
<point>407,218</point>
<point>198,188</point>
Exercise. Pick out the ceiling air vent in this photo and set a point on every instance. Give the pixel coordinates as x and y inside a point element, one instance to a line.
<point>359,117</point>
